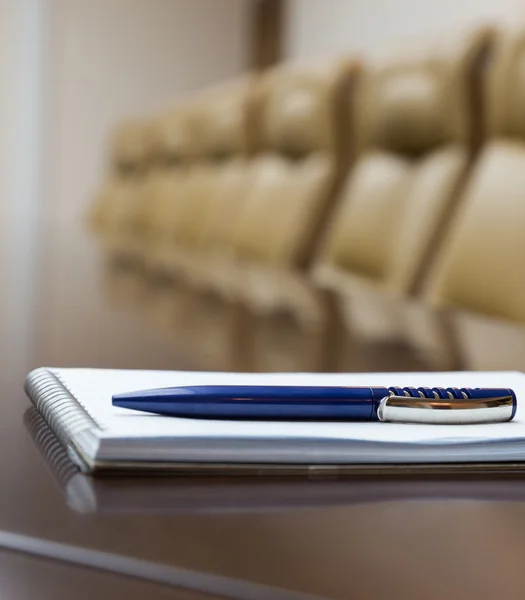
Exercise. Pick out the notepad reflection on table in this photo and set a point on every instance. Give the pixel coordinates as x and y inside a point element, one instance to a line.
<point>77,405</point>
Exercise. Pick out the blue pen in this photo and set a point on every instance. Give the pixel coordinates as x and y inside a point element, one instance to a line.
<point>303,403</point>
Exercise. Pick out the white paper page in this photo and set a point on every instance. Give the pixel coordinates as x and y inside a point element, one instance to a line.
<point>94,389</point>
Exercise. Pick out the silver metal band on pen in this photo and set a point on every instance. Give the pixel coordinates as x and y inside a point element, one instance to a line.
<point>440,410</point>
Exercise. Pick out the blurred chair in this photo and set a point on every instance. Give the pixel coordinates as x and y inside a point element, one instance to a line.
<point>200,230</point>
<point>292,184</point>
<point>419,120</point>
<point>310,145</point>
<point>226,138</point>
<point>112,214</point>
<point>128,160</point>
<point>163,197</point>
<point>478,285</point>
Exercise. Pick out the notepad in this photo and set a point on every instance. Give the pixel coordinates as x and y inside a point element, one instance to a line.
<point>76,404</point>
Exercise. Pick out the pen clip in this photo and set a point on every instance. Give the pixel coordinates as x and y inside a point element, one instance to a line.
<point>439,410</point>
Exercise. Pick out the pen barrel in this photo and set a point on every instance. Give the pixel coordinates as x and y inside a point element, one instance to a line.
<point>289,403</point>
<point>295,403</point>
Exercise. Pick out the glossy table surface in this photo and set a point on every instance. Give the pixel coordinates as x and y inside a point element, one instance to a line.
<point>245,538</point>
<point>334,539</point>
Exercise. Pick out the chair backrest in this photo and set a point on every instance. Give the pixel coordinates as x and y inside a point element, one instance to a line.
<point>306,146</point>
<point>419,123</point>
<point>128,160</point>
<point>227,125</point>
<point>173,147</point>
<point>482,266</point>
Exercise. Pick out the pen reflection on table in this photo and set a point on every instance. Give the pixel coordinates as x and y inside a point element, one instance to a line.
<point>220,495</point>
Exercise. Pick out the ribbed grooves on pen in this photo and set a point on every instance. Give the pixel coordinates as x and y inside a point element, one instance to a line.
<point>63,413</point>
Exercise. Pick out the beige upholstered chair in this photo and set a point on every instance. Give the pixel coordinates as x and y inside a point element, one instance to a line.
<point>173,148</point>
<point>128,162</point>
<point>479,278</point>
<point>306,149</point>
<point>112,216</point>
<point>162,197</point>
<point>274,155</point>
<point>419,123</point>
<point>216,180</point>
<point>200,228</point>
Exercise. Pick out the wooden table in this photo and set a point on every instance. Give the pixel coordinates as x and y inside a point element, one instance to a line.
<point>362,539</point>
<point>331,539</point>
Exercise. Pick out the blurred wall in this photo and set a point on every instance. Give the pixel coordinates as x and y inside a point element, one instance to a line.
<point>107,59</point>
<point>317,27</point>
<point>20,160</point>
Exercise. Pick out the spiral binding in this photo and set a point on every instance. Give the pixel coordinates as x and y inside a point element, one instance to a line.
<point>50,448</point>
<point>63,413</point>
<point>449,393</point>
